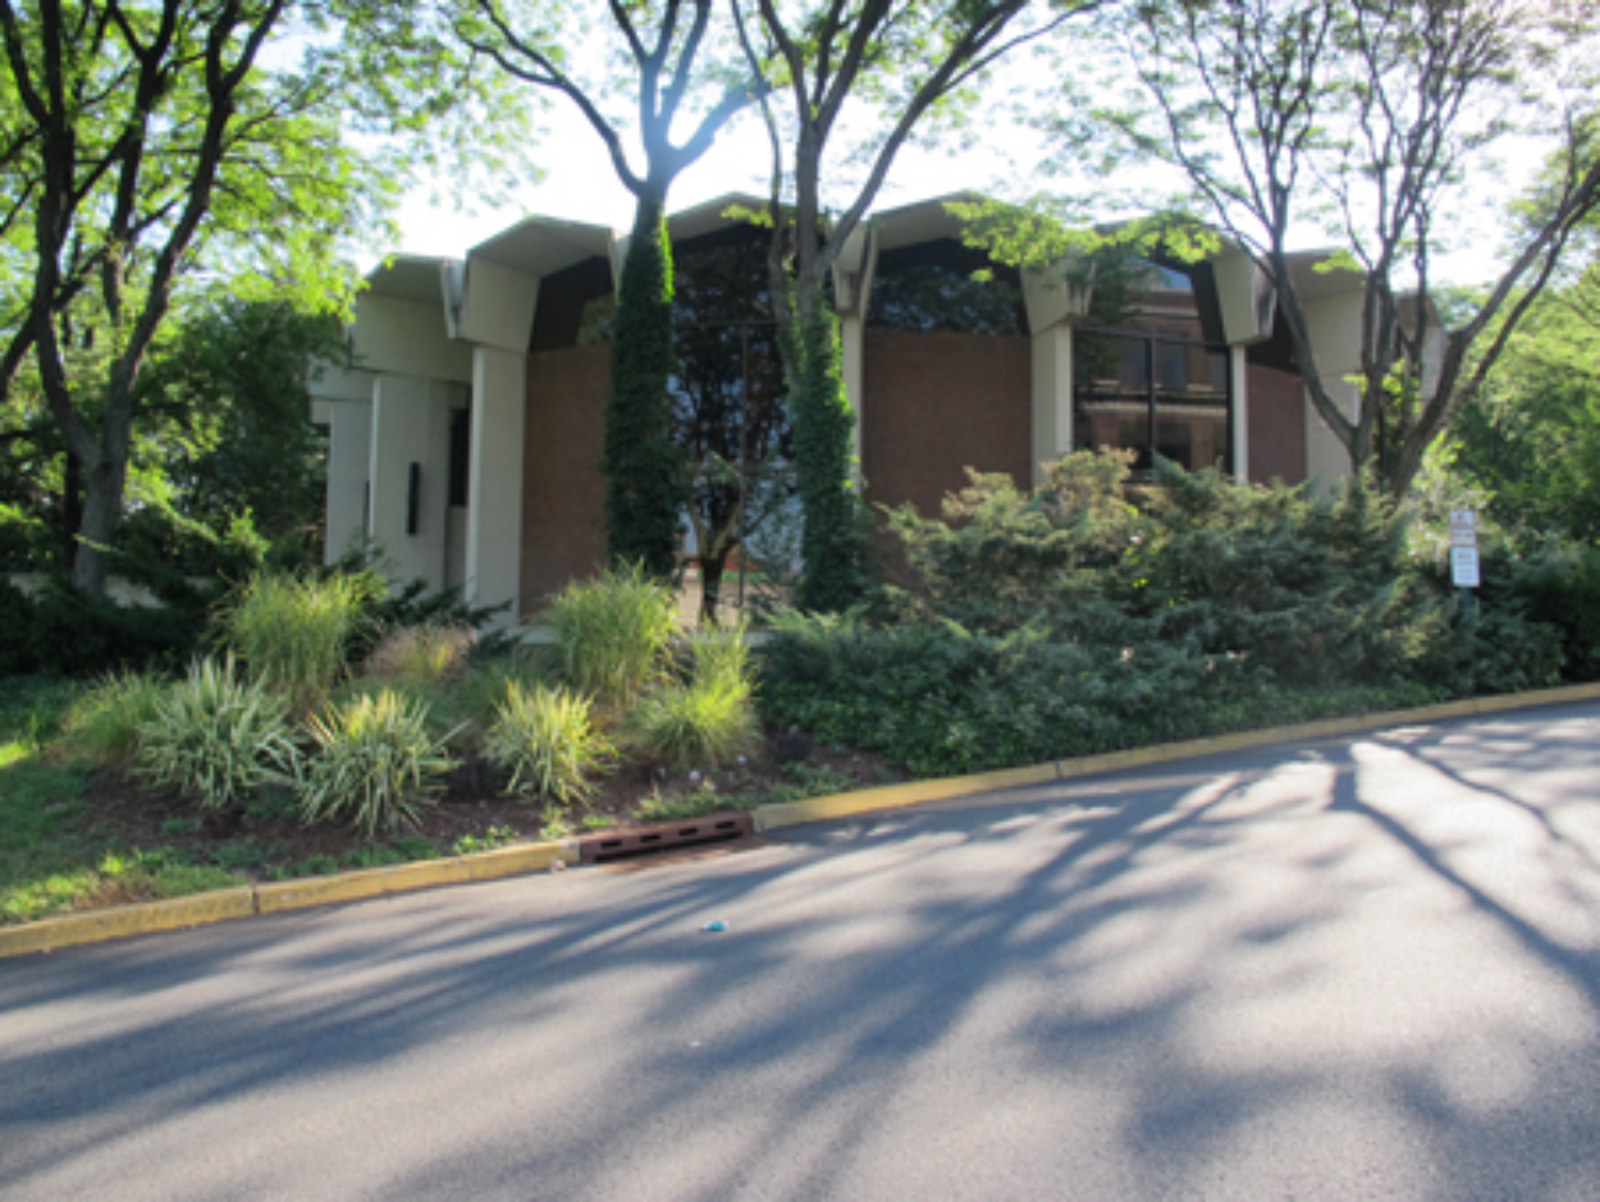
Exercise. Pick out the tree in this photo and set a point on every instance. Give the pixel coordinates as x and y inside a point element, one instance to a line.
<point>143,138</point>
<point>1373,117</point>
<point>1531,436</point>
<point>670,46</point>
<point>900,61</point>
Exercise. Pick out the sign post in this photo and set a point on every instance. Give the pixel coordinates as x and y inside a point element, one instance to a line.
<point>1464,554</point>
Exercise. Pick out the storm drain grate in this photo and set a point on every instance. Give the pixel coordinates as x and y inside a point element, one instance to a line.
<point>642,841</point>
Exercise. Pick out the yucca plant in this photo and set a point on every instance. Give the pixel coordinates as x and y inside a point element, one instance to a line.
<point>547,739</point>
<point>104,723</point>
<point>613,633</point>
<point>372,763</point>
<point>216,736</point>
<point>708,720</point>
<point>291,632</point>
<point>425,654</point>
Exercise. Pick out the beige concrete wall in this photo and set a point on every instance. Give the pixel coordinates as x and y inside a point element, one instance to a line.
<point>411,424</point>
<point>400,337</point>
<point>349,468</point>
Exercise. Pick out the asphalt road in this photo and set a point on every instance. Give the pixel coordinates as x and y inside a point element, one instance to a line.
<point>1362,968</point>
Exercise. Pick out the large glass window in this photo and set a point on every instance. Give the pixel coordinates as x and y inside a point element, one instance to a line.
<point>1152,395</point>
<point>728,401</point>
<point>945,285</point>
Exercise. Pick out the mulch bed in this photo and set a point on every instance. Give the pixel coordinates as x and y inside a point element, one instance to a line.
<point>125,815</point>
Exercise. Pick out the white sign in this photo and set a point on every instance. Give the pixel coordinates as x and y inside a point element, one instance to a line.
<point>1464,567</point>
<point>1463,528</point>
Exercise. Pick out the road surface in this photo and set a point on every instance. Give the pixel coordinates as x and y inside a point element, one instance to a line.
<point>1360,968</point>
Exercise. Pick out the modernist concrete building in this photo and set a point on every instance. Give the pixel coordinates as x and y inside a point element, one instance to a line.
<point>465,437</point>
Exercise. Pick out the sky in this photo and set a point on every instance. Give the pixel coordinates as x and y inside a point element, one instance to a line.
<point>579,183</point>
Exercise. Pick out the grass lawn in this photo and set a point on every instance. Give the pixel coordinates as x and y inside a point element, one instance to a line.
<point>53,856</point>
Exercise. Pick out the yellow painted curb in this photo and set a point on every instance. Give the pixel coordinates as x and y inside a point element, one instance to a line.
<point>119,922</point>
<point>513,861</point>
<point>890,797</point>
<point>843,805</point>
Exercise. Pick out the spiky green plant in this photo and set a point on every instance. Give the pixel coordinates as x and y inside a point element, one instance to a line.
<point>291,633</point>
<point>547,739</point>
<point>216,736</point>
<point>613,633</point>
<point>372,763</point>
<point>104,723</point>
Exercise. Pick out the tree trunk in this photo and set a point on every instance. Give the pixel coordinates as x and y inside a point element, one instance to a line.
<point>712,568</point>
<point>102,508</point>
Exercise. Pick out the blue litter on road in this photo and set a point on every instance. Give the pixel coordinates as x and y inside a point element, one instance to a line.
<point>714,928</point>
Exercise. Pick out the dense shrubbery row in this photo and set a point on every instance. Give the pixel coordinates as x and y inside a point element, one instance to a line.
<point>1089,615</point>
<point>365,741</point>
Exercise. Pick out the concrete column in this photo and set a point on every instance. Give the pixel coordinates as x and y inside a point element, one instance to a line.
<point>1052,397</point>
<point>1335,323</point>
<point>852,366</point>
<point>494,488</point>
<point>349,460</point>
<point>1238,374</point>
<point>411,425</point>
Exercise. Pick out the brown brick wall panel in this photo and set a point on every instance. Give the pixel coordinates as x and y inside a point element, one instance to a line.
<point>938,403</point>
<point>563,491</point>
<point>1277,425</point>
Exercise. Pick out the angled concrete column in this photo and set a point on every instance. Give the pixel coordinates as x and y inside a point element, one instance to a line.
<point>1052,397</point>
<point>852,362</point>
<point>1335,323</point>
<point>853,275</point>
<point>494,488</point>
<point>349,461</point>
<point>1057,297</point>
<point>1239,378</point>
<point>411,425</point>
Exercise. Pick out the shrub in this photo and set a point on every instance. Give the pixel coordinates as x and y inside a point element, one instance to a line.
<point>613,633</point>
<point>424,654</point>
<point>291,632</point>
<point>547,740</point>
<point>216,737</point>
<point>708,720</point>
<point>63,631</point>
<point>105,722</point>
<point>371,763</point>
<point>1562,587</point>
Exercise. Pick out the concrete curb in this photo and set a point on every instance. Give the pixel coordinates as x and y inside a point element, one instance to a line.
<point>145,918</point>
<point>120,922</point>
<point>844,805</point>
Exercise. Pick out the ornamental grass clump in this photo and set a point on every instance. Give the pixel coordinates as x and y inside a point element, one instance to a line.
<point>430,653</point>
<point>372,763</point>
<point>105,722</point>
<point>217,737</point>
<point>613,634</point>
<point>291,633</point>
<point>547,738</point>
<point>707,720</point>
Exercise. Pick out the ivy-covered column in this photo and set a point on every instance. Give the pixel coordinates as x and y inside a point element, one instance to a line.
<point>833,545</point>
<point>646,484</point>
